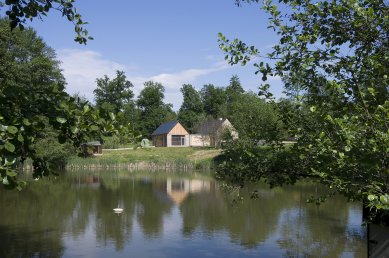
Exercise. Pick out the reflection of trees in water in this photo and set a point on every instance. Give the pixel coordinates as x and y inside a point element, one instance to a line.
<point>303,229</point>
<point>151,209</point>
<point>32,222</point>
<point>248,222</point>
<point>309,230</point>
<point>36,218</point>
<point>112,227</point>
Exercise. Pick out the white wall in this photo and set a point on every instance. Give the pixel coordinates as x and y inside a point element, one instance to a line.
<point>199,140</point>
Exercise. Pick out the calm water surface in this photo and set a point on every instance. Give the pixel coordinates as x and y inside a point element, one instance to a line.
<point>173,216</point>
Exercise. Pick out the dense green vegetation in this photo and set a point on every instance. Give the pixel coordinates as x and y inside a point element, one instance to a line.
<point>35,110</point>
<point>113,95</point>
<point>334,59</point>
<point>191,111</point>
<point>253,117</point>
<point>196,158</point>
<point>151,108</point>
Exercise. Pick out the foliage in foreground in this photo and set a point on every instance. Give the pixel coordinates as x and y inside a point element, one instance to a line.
<point>33,101</point>
<point>19,11</point>
<point>336,54</point>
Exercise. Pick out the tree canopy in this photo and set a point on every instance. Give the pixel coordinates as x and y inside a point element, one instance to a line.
<point>32,97</point>
<point>191,111</point>
<point>214,100</point>
<point>337,53</point>
<point>234,89</point>
<point>255,119</point>
<point>113,95</point>
<point>152,109</point>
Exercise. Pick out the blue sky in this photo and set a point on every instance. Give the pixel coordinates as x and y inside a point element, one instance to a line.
<point>172,42</point>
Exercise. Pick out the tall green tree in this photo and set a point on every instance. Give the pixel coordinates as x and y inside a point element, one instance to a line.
<point>152,109</point>
<point>214,100</point>
<point>191,111</point>
<point>32,96</point>
<point>113,95</point>
<point>337,52</point>
<point>131,114</point>
<point>255,119</point>
<point>234,89</point>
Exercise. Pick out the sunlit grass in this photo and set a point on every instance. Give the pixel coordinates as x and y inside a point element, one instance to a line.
<point>174,157</point>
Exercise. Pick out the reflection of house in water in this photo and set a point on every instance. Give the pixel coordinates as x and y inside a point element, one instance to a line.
<point>179,189</point>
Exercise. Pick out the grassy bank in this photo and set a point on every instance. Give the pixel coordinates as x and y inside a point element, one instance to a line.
<point>183,158</point>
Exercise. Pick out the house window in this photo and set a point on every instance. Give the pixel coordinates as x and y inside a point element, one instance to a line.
<point>178,140</point>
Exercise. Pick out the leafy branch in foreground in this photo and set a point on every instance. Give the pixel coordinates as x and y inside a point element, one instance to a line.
<point>337,53</point>
<point>19,11</point>
<point>33,100</point>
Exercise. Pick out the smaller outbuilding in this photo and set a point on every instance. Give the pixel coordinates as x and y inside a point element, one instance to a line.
<point>170,134</point>
<point>93,147</point>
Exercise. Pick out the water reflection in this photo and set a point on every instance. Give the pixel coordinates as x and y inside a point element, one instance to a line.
<point>177,190</point>
<point>171,217</point>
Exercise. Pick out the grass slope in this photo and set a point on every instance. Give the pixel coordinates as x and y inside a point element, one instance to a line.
<point>150,155</point>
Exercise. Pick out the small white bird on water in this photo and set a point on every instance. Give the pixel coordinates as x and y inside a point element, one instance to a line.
<point>118,209</point>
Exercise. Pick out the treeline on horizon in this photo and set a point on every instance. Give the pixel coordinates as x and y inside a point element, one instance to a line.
<point>252,116</point>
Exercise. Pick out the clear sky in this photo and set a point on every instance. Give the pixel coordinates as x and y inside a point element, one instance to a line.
<point>172,42</point>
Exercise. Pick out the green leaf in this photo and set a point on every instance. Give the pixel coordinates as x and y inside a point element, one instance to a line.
<point>61,120</point>
<point>12,129</point>
<point>86,108</point>
<point>9,147</point>
<point>10,162</point>
<point>371,197</point>
<point>384,199</point>
<point>5,181</point>
<point>94,127</point>
<point>74,129</point>
<point>11,173</point>
<point>20,138</point>
<point>26,122</point>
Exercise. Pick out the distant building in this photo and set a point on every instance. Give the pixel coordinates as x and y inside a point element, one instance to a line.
<point>94,148</point>
<point>210,133</point>
<point>170,134</point>
<point>213,132</point>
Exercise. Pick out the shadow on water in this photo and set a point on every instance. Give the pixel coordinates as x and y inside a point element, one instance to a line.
<point>170,216</point>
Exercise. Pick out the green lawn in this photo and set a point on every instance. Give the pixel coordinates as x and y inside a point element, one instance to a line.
<point>152,155</point>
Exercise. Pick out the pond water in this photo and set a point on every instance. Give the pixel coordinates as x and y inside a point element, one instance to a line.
<point>169,215</point>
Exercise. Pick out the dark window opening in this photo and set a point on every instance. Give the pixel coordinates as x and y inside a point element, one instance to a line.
<point>178,140</point>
